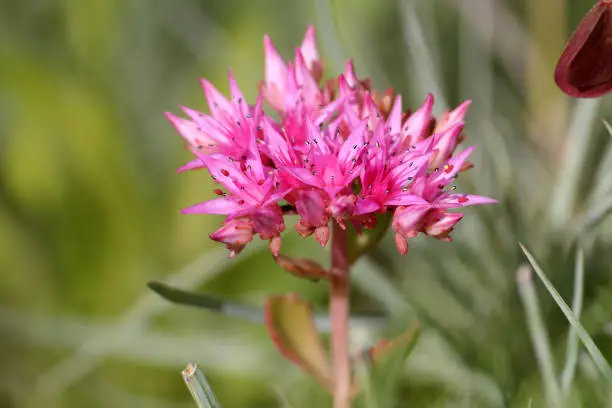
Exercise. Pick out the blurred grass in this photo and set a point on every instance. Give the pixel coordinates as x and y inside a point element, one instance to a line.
<point>89,200</point>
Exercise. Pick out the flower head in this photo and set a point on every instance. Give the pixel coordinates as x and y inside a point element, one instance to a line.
<point>583,69</point>
<point>340,152</point>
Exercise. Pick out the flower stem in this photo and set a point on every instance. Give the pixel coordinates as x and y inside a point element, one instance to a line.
<point>339,313</point>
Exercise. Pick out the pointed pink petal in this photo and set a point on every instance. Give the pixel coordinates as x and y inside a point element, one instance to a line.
<point>405,198</point>
<point>221,205</point>
<point>366,206</point>
<point>276,70</point>
<point>303,175</point>
<point>447,173</point>
<point>417,124</point>
<point>309,47</point>
<point>352,147</point>
<point>328,111</point>
<point>277,194</point>
<point>277,146</point>
<point>237,96</point>
<point>349,74</point>
<point>217,104</point>
<point>309,87</point>
<point>231,177</point>
<point>192,165</point>
<point>394,121</point>
<point>461,200</point>
<point>405,172</point>
<point>458,115</point>
<point>193,134</point>
<point>446,143</point>
<point>315,138</point>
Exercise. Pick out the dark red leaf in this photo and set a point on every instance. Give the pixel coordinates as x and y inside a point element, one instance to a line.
<point>585,67</point>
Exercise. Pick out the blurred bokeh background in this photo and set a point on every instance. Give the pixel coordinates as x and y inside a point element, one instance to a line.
<point>89,201</point>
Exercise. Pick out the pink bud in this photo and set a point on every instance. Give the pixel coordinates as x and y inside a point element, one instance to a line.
<point>583,71</point>
<point>407,220</point>
<point>401,243</point>
<point>440,224</point>
<point>275,245</point>
<point>311,207</point>
<point>342,207</point>
<point>322,235</point>
<point>301,267</point>
<point>235,234</point>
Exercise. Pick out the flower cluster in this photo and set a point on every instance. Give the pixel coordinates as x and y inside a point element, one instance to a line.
<point>340,152</point>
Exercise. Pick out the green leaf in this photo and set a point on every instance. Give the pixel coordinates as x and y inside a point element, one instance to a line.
<point>291,327</point>
<point>360,244</point>
<point>597,356</point>
<point>249,313</point>
<point>381,372</point>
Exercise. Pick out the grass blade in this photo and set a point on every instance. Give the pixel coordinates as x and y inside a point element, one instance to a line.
<point>421,59</point>
<point>594,216</point>
<point>572,342</point>
<point>596,354</point>
<point>539,336</point>
<point>580,135</point>
<point>200,390</point>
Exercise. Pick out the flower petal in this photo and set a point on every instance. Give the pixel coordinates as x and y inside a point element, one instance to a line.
<point>217,104</point>
<point>222,205</point>
<point>366,206</point>
<point>405,198</point>
<point>309,47</point>
<point>192,165</point>
<point>461,200</point>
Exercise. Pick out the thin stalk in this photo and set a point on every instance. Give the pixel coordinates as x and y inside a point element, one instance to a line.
<point>339,314</point>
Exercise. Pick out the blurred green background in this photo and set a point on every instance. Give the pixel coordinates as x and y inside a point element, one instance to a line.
<point>89,201</point>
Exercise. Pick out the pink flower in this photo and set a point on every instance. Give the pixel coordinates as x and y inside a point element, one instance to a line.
<point>340,153</point>
<point>439,224</point>
<point>228,131</point>
<point>432,218</point>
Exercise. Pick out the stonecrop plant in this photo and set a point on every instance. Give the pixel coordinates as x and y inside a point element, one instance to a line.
<point>343,157</point>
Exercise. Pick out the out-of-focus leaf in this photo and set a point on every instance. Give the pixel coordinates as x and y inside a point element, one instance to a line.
<point>361,244</point>
<point>593,217</point>
<point>589,344</point>
<point>575,162</point>
<point>251,313</point>
<point>381,351</point>
<point>384,365</point>
<point>290,325</point>
<point>603,183</point>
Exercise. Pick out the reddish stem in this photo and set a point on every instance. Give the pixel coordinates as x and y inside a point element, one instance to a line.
<point>339,312</point>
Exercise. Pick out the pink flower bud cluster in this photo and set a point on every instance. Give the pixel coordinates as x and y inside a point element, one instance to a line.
<point>340,152</point>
